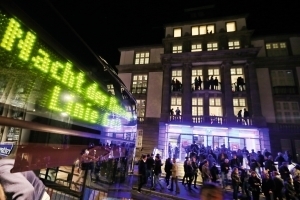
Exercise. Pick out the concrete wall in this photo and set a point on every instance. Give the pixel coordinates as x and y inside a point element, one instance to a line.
<point>127,57</point>
<point>126,78</point>
<point>260,43</point>
<point>265,93</point>
<point>155,55</point>
<point>154,94</point>
<point>295,45</point>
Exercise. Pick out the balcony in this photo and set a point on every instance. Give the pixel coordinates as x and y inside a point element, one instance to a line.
<point>238,88</point>
<point>202,89</point>
<point>285,90</point>
<point>214,120</point>
<point>139,90</point>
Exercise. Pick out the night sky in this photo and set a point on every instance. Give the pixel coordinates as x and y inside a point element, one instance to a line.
<point>106,25</point>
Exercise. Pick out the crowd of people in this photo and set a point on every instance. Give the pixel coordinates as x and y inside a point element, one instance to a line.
<point>248,173</point>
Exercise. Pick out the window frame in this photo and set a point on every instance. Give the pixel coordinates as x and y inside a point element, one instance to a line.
<point>282,112</point>
<point>144,58</point>
<point>143,87</point>
<point>203,25</point>
<point>197,106</point>
<point>196,49</point>
<point>235,26</point>
<point>178,28</point>
<point>214,105</point>
<point>273,51</point>
<point>176,51</point>
<point>233,46</point>
<point>138,107</point>
<point>212,48</point>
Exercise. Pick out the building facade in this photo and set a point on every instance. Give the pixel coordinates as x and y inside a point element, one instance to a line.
<point>214,82</point>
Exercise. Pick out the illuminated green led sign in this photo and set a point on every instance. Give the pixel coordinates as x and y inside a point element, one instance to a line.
<point>25,46</point>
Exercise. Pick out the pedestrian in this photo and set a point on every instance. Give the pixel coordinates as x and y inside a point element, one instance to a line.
<point>168,168</point>
<point>254,184</point>
<point>142,172</point>
<point>175,176</point>
<point>236,181</point>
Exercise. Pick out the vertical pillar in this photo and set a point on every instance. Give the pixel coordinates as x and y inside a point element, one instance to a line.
<point>255,112</point>
<point>226,84</point>
<point>187,95</point>
<point>165,110</point>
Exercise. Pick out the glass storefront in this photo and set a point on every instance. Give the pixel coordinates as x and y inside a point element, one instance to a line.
<point>179,139</point>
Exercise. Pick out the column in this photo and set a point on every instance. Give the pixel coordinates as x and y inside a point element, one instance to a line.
<point>226,84</point>
<point>255,112</point>
<point>165,107</point>
<point>187,95</point>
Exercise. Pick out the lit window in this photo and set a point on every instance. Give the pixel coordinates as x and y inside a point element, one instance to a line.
<point>176,84</point>
<point>215,107</point>
<point>140,109</point>
<point>212,46</point>
<point>203,29</point>
<point>177,49</point>
<point>197,75</point>
<point>176,103</point>
<point>110,89</point>
<point>234,45</point>
<point>139,84</point>
<point>197,106</point>
<point>237,79</point>
<point>287,112</point>
<point>177,32</point>
<point>196,47</point>
<point>214,73</point>
<point>282,78</point>
<point>276,49</point>
<point>230,26</point>
<point>239,104</point>
<point>142,58</point>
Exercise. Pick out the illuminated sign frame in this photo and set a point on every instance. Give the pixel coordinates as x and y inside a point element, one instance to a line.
<point>24,45</point>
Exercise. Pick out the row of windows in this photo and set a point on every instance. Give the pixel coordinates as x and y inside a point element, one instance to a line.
<point>278,78</point>
<point>273,49</point>
<point>286,112</point>
<point>205,29</point>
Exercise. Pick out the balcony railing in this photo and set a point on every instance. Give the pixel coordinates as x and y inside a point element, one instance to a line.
<point>238,88</point>
<point>200,88</point>
<point>139,90</point>
<point>214,120</point>
<point>283,90</point>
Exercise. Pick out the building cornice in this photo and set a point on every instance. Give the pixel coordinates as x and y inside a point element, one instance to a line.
<point>139,68</point>
<point>210,56</point>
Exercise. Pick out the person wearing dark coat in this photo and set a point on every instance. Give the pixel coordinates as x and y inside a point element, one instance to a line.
<point>214,171</point>
<point>236,181</point>
<point>267,186</point>
<point>254,183</point>
<point>224,172</point>
<point>278,186</point>
<point>290,192</point>
<point>195,167</point>
<point>284,171</point>
<point>168,167</point>
<point>279,159</point>
<point>184,168</point>
<point>142,172</point>
<point>234,162</point>
<point>245,174</point>
<point>270,165</point>
<point>157,172</point>
<point>189,174</point>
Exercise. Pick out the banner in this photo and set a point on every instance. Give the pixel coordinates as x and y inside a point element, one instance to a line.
<point>6,148</point>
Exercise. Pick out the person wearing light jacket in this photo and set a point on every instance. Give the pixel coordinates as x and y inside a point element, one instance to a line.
<point>21,185</point>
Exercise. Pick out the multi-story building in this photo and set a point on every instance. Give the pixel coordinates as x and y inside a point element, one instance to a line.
<point>197,85</point>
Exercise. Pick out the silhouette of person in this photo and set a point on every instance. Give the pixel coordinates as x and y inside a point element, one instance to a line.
<point>178,85</point>
<point>206,84</point>
<point>200,83</point>
<point>211,83</point>
<point>239,117</point>
<point>246,116</point>
<point>242,84</point>
<point>216,83</point>
<point>173,84</point>
<point>196,82</point>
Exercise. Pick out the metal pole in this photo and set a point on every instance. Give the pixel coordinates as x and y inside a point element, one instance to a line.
<point>83,185</point>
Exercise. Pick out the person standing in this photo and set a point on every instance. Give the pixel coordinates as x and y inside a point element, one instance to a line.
<point>236,181</point>
<point>195,167</point>
<point>278,186</point>
<point>157,172</point>
<point>175,176</point>
<point>206,176</point>
<point>189,174</point>
<point>246,116</point>
<point>150,165</point>
<point>142,172</point>
<point>290,192</point>
<point>254,183</point>
<point>184,168</point>
<point>267,186</point>
<point>224,172</point>
<point>168,168</point>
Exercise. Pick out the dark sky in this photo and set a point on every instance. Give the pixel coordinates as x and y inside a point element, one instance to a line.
<point>106,25</point>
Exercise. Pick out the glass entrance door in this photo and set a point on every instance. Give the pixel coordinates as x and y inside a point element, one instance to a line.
<point>236,143</point>
<point>218,141</point>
